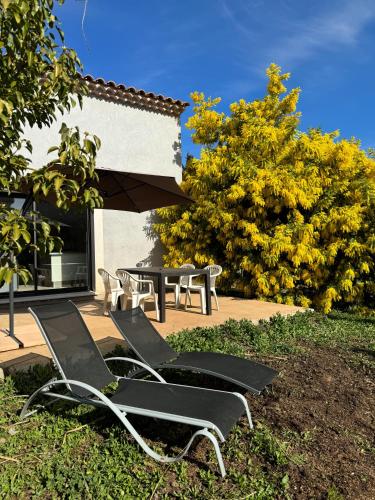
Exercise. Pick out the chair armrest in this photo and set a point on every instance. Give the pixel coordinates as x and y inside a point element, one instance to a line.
<point>192,276</point>
<point>116,278</point>
<point>150,283</point>
<point>145,281</point>
<point>139,363</point>
<point>139,280</point>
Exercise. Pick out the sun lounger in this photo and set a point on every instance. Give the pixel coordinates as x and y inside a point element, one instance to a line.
<point>84,374</point>
<point>153,350</point>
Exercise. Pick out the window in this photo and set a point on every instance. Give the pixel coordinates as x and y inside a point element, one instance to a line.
<point>67,270</point>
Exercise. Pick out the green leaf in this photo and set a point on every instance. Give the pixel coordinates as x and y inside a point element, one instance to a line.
<point>58,182</point>
<point>63,157</point>
<point>45,227</point>
<point>89,146</point>
<point>25,275</point>
<point>51,245</point>
<point>26,236</point>
<point>2,273</point>
<point>97,141</point>
<point>5,229</point>
<point>16,232</point>
<point>87,195</point>
<point>30,58</point>
<point>8,275</point>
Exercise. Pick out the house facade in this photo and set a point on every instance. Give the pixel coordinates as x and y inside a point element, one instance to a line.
<point>140,132</point>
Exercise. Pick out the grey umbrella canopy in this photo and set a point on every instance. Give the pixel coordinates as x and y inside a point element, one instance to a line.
<point>127,191</point>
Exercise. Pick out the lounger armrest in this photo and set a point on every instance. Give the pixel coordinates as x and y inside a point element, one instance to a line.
<point>139,363</point>
<point>70,383</point>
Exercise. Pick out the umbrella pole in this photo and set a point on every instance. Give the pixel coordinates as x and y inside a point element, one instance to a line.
<point>11,309</point>
<point>10,332</point>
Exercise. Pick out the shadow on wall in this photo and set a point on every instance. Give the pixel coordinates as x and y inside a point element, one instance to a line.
<point>177,151</point>
<point>155,257</point>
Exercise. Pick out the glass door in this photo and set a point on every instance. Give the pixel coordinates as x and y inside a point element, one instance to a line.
<point>68,270</point>
<point>27,258</point>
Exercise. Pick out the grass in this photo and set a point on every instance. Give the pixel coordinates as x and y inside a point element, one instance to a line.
<point>77,452</point>
<point>284,335</point>
<point>74,452</point>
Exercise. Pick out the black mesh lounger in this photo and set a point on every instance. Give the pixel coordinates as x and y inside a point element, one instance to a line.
<point>84,373</point>
<point>153,350</point>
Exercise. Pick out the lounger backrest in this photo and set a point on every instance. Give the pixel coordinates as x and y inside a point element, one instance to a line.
<point>142,337</point>
<point>71,345</point>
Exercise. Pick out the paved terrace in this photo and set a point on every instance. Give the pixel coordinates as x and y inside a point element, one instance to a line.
<point>106,335</point>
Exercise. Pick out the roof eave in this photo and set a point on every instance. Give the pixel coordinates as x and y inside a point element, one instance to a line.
<point>119,93</point>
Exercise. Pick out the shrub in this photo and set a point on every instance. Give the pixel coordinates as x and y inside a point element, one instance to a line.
<point>289,215</point>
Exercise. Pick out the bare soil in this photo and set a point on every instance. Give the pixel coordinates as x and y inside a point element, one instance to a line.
<point>322,405</point>
<point>329,403</point>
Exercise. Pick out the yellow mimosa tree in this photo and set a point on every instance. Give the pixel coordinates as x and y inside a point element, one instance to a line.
<point>289,215</point>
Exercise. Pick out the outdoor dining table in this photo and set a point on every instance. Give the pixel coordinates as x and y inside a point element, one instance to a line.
<point>162,272</point>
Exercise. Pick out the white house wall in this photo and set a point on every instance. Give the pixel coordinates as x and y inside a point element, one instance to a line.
<point>134,140</point>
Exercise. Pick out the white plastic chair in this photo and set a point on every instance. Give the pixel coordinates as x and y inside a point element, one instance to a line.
<point>215,271</point>
<point>112,290</point>
<point>182,282</point>
<point>135,289</point>
<point>142,287</point>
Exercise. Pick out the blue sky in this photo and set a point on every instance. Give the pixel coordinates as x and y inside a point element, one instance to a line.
<point>222,48</point>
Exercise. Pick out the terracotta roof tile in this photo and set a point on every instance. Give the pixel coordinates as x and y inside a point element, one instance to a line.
<point>111,91</point>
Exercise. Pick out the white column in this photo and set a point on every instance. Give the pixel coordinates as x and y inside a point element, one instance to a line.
<point>98,248</point>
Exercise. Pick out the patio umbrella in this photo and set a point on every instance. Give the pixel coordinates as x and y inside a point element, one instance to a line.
<point>127,191</point>
<point>134,192</point>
